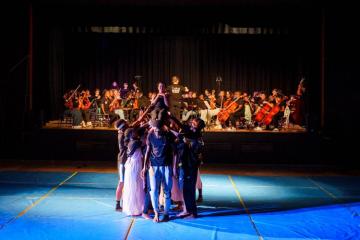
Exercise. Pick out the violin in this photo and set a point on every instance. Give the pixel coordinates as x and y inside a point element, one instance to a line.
<point>69,99</point>
<point>86,103</point>
<point>114,104</point>
<point>212,102</point>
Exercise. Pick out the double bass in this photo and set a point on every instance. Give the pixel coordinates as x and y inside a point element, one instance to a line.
<point>297,116</point>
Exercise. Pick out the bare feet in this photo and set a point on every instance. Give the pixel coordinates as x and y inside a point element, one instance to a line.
<point>177,208</point>
<point>191,216</point>
<point>146,216</point>
<point>156,217</point>
<point>182,214</point>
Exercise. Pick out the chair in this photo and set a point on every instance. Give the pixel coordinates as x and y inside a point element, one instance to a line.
<point>101,120</point>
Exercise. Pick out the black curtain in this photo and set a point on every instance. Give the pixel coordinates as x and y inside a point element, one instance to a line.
<point>245,63</point>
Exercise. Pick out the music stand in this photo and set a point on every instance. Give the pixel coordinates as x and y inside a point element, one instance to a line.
<point>137,80</point>
<point>218,82</point>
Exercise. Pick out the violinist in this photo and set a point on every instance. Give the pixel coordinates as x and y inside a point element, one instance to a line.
<point>68,102</point>
<point>105,106</point>
<point>207,94</point>
<point>76,113</point>
<point>220,100</point>
<point>210,99</point>
<point>115,106</point>
<point>124,91</point>
<point>84,105</point>
<point>141,102</point>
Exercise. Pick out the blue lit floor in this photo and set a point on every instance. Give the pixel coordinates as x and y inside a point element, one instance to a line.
<point>45,205</point>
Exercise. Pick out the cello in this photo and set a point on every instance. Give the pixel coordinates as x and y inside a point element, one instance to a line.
<point>224,113</point>
<point>275,110</point>
<point>263,112</point>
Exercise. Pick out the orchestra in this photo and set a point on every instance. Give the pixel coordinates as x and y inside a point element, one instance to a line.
<point>222,110</point>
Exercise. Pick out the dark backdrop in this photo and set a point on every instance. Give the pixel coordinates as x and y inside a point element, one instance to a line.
<point>246,63</point>
<point>196,48</point>
<point>340,63</point>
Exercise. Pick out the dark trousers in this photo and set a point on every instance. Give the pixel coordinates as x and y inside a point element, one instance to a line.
<point>175,108</point>
<point>147,202</point>
<point>86,115</point>
<point>113,117</point>
<point>235,117</point>
<point>189,190</point>
<point>77,117</point>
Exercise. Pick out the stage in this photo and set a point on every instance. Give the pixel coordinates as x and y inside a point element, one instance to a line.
<point>73,203</point>
<point>221,146</point>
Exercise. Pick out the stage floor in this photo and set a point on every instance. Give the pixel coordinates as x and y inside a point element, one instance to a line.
<point>57,124</point>
<point>80,205</point>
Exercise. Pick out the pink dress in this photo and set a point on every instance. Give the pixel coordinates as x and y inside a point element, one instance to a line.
<point>133,195</point>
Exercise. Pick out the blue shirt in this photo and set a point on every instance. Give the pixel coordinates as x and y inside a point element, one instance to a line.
<point>161,151</point>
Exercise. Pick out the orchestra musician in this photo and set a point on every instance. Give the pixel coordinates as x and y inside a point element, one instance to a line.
<point>124,91</point>
<point>248,112</point>
<point>175,91</point>
<point>220,100</point>
<point>207,106</point>
<point>298,117</point>
<point>84,106</point>
<point>190,109</point>
<point>105,106</point>
<point>202,107</point>
<point>235,115</point>
<point>116,105</point>
<point>97,101</point>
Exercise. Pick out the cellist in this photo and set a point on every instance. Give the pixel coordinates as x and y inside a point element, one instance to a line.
<point>234,119</point>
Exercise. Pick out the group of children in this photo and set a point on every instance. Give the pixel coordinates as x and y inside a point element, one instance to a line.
<point>158,163</point>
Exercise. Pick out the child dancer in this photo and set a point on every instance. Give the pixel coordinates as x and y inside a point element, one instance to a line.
<point>160,153</point>
<point>190,161</point>
<point>133,197</point>
<point>121,126</point>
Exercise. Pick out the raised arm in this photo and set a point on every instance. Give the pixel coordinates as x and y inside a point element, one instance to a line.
<point>146,160</point>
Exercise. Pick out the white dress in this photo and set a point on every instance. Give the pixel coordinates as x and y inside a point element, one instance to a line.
<point>133,195</point>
